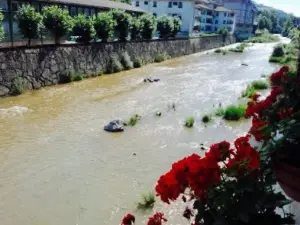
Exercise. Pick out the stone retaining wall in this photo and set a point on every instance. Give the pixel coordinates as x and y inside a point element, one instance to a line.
<point>46,65</point>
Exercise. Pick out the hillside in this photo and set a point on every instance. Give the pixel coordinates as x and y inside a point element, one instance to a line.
<point>279,12</point>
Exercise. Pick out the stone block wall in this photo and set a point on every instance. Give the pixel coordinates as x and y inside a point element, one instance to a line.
<point>47,65</point>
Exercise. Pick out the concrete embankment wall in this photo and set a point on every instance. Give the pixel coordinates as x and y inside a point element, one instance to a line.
<point>46,65</point>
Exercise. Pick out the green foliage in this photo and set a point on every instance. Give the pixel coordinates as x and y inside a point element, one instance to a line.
<point>288,26</point>
<point>233,112</point>
<point>223,32</point>
<point>114,65</point>
<point>189,122</point>
<point>148,26</point>
<point>260,84</point>
<point>278,51</point>
<point>206,118</point>
<point>161,57</point>
<point>133,120</point>
<point>263,36</point>
<point>218,50</point>
<point>104,25</point>
<point>220,111</point>
<point>126,61</point>
<point>264,23</point>
<point>177,26</point>
<point>137,62</point>
<point>83,28</point>
<point>29,22</point>
<point>240,48</point>
<point>57,21</point>
<point>122,24</point>
<point>76,77</point>
<point>249,92</point>
<point>135,29</point>
<point>274,59</point>
<point>18,86</point>
<point>147,201</point>
<point>1,26</point>
<point>165,26</point>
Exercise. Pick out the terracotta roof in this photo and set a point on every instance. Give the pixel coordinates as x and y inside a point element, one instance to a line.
<point>101,4</point>
<point>223,9</point>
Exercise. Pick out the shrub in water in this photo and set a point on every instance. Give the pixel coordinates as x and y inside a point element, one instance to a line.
<point>29,22</point>
<point>278,51</point>
<point>137,62</point>
<point>161,57</point>
<point>206,118</point>
<point>148,26</point>
<point>104,25</point>
<point>18,86</point>
<point>220,111</point>
<point>189,122</point>
<point>218,50</point>
<point>126,61</point>
<point>147,201</point>
<point>260,84</point>
<point>234,112</point>
<point>58,21</point>
<point>133,120</point>
<point>114,65</point>
<point>165,26</point>
<point>122,24</point>
<point>83,28</point>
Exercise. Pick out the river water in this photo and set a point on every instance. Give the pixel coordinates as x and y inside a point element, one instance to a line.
<point>58,166</point>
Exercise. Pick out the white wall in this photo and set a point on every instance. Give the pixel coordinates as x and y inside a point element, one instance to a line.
<point>186,12</point>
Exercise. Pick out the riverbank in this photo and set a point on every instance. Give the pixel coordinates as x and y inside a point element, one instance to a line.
<point>22,68</point>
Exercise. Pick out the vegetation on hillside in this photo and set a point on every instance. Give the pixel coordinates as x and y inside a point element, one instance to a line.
<point>262,36</point>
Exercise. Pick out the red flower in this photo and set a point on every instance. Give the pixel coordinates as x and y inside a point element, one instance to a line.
<point>255,97</point>
<point>284,69</point>
<point>278,77</point>
<point>128,219</point>
<point>219,152</point>
<point>157,219</point>
<point>256,129</point>
<point>188,213</point>
<point>285,113</point>
<point>275,92</point>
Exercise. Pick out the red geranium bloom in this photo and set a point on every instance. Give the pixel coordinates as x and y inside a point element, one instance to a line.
<point>128,219</point>
<point>255,96</point>
<point>219,152</point>
<point>256,129</point>
<point>285,113</point>
<point>157,219</point>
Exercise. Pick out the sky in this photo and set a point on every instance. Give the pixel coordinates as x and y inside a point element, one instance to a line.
<point>290,6</point>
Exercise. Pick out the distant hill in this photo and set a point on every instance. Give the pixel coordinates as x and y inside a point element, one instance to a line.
<point>282,14</point>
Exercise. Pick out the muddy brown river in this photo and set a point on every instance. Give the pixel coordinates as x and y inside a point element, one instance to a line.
<point>58,166</point>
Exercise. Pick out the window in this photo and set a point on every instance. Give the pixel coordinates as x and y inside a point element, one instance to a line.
<point>87,11</point>
<point>175,3</point>
<point>216,22</point>
<point>180,5</point>
<point>170,4</point>
<point>137,3</point>
<point>224,22</point>
<point>145,2</point>
<point>217,14</point>
<point>155,4</point>
<point>73,11</point>
<point>203,20</point>
<point>80,10</point>
<point>203,11</point>
<point>179,17</point>
<point>225,14</point>
<point>154,14</point>
<point>14,6</point>
<point>93,12</point>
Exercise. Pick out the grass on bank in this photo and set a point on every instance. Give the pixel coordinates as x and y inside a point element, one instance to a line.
<point>220,111</point>
<point>18,86</point>
<point>240,48</point>
<point>223,51</point>
<point>263,36</point>
<point>189,122</point>
<point>234,113</point>
<point>161,57</point>
<point>147,201</point>
<point>253,87</point>
<point>206,118</point>
<point>133,120</point>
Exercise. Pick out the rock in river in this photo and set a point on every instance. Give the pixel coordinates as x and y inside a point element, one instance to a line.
<point>115,126</point>
<point>150,80</point>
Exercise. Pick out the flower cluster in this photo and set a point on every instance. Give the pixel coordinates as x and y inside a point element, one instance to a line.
<point>129,219</point>
<point>202,174</point>
<point>280,76</point>
<point>157,219</point>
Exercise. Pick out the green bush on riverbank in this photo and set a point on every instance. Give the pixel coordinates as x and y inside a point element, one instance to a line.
<point>189,122</point>
<point>161,57</point>
<point>233,112</point>
<point>147,201</point>
<point>262,36</point>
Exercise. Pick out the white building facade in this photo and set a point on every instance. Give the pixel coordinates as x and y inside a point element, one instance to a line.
<point>184,9</point>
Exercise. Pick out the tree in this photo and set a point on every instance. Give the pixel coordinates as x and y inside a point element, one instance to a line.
<point>58,21</point>
<point>104,25</point>
<point>123,23</point>
<point>177,26</point>
<point>83,28</point>
<point>165,26</point>
<point>148,26</point>
<point>274,22</point>
<point>288,26</point>
<point>1,27</point>
<point>223,32</point>
<point>29,22</point>
<point>135,28</point>
<point>264,23</point>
